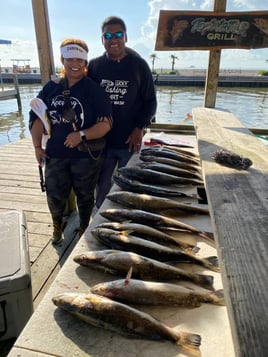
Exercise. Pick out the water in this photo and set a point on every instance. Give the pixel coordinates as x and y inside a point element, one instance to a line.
<point>13,125</point>
<point>249,105</point>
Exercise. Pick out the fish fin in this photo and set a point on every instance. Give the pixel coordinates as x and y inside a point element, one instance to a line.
<point>128,277</point>
<point>127,232</point>
<point>217,297</point>
<point>190,342</point>
<point>194,195</point>
<point>212,263</point>
<point>111,271</point>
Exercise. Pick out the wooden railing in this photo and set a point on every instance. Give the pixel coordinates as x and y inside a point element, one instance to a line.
<point>7,94</point>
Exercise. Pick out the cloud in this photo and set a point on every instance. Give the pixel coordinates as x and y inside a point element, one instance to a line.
<point>247,5</point>
<point>19,49</point>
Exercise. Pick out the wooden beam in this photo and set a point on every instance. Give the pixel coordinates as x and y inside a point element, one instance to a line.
<point>43,39</point>
<point>238,208</point>
<point>213,66</point>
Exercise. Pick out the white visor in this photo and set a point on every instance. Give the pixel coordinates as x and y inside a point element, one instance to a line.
<point>73,51</point>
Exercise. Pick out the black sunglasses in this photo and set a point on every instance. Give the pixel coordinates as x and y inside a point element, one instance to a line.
<point>109,35</point>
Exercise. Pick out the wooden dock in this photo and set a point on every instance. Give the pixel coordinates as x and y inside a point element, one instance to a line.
<point>237,201</point>
<point>20,190</point>
<point>75,338</point>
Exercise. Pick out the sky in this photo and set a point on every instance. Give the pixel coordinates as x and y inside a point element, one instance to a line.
<point>82,19</point>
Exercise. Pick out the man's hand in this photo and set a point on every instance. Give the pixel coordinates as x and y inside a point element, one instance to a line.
<point>134,140</point>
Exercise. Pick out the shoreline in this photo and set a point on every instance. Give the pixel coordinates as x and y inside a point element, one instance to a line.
<point>185,77</point>
<point>222,72</point>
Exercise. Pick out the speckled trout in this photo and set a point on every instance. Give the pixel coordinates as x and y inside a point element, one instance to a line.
<point>168,169</point>
<point>154,204</point>
<point>135,291</point>
<point>156,177</point>
<point>170,154</point>
<point>181,151</point>
<point>118,240</point>
<point>150,233</point>
<point>168,161</point>
<point>118,262</point>
<point>153,220</point>
<point>111,315</point>
<point>137,186</point>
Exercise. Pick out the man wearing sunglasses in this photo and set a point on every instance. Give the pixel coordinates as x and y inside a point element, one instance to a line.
<point>127,80</point>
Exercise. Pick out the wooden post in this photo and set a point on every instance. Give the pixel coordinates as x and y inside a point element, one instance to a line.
<point>16,83</point>
<point>213,66</point>
<point>45,52</point>
<point>43,39</point>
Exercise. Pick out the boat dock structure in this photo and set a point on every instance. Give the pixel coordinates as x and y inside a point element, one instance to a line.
<point>11,93</point>
<point>230,236</point>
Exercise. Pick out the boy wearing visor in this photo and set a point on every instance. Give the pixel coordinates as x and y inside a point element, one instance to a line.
<point>127,80</point>
<point>77,110</point>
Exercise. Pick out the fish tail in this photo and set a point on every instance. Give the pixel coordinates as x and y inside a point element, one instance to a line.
<point>204,280</point>
<point>190,342</point>
<point>217,297</point>
<point>208,236</point>
<point>192,250</point>
<point>212,263</point>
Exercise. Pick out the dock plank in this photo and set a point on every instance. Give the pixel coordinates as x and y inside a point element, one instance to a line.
<point>20,190</point>
<point>238,203</point>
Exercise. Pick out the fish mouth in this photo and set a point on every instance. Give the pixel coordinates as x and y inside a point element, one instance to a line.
<point>84,259</point>
<point>63,298</point>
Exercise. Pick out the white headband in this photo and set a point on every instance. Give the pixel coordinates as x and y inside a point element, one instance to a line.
<point>73,51</point>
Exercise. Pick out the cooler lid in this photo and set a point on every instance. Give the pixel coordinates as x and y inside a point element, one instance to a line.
<point>10,243</point>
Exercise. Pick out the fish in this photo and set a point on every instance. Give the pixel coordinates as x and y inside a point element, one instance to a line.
<point>111,315</point>
<point>167,161</point>
<point>181,151</point>
<point>136,186</point>
<point>164,142</point>
<point>134,291</point>
<point>154,220</point>
<point>121,241</point>
<point>150,233</point>
<point>156,178</point>
<point>168,169</point>
<point>171,154</point>
<point>118,262</point>
<point>154,204</point>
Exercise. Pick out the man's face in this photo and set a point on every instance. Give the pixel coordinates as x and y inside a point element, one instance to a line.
<point>114,39</point>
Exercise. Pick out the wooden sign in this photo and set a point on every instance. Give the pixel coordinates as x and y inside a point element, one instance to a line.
<point>203,30</point>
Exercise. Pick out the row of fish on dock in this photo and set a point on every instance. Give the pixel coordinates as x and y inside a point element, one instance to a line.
<point>145,247</point>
